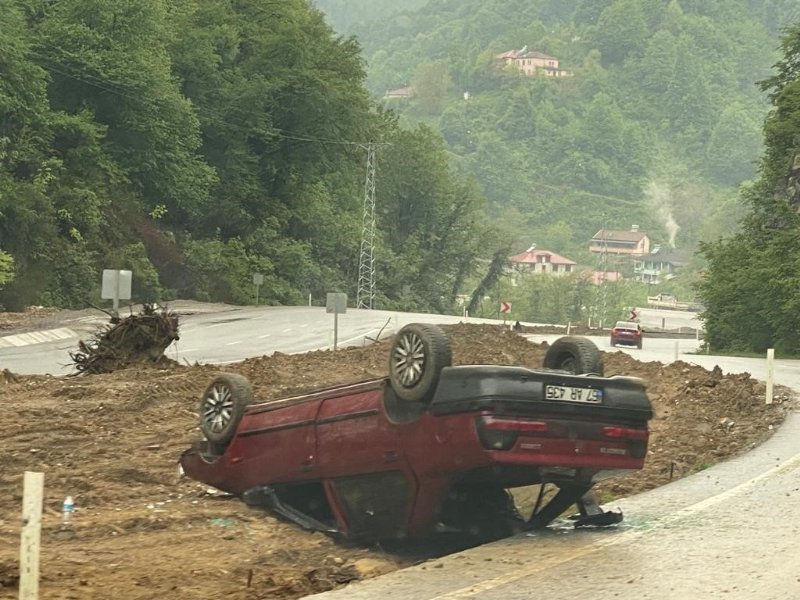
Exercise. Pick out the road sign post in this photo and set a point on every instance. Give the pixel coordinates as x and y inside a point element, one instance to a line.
<point>258,280</point>
<point>116,286</point>
<point>336,303</point>
<point>505,308</point>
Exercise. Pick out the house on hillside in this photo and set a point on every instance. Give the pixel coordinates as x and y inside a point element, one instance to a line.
<point>614,241</point>
<point>660,265</point>
<point>532,63</point>
<point>541,262</point>
<point>400,93</point>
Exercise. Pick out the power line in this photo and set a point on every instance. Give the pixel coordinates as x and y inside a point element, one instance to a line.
<point>223,118</point>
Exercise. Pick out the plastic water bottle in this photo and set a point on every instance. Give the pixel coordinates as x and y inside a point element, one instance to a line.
<point>67,509</point>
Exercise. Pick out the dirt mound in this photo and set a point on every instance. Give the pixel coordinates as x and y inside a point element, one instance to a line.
<point>112,442</point>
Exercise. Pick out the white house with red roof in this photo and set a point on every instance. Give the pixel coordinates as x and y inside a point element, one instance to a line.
<point>532,63</point>
<point>538,261</point>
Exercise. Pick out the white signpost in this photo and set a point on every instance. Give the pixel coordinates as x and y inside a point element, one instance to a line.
<point>116,287</point>
<point>336,303</point>
<point>770,373</point>
<point>32,493</point>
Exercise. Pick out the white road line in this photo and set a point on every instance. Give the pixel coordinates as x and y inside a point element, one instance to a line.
<point>287,330</point>
<point>266,335</point>
<point>666,521</point>
<point>182,350</point>
<point>304,325</point>
<point>216,325</point>
<point>234,343</point>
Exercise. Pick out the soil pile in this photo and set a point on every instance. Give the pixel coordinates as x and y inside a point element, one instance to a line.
<point>141,531</point>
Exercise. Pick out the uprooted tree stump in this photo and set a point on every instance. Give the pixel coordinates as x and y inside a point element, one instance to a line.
<point>7,376</point>
<point>136,339</point>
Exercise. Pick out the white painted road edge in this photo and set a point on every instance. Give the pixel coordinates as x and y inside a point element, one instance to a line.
<point>37,337</point>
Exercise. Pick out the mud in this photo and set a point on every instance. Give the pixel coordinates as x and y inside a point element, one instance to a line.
<point>140,531</point>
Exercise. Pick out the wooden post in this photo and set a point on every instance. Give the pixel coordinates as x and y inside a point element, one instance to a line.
<point>32,493</point>
<point>569,326</point>
<point>770,373</point>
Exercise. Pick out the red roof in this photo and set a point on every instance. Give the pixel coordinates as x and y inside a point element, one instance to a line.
<point>533,256</point>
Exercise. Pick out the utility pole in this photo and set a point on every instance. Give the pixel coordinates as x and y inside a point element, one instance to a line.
<point>365,297</point>
<point>603,268</point>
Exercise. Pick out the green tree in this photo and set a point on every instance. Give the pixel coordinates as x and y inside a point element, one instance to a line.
<point>750,288</point>
<point>730,150</point>
<point>111,58</point>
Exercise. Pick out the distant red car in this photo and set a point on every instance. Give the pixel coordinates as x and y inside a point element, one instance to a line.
<point>432,447</point>
<point>629,333</point>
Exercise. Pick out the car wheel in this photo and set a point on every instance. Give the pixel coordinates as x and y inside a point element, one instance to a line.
<point>577,355</point>
<point>222,406</point>
<point>419,353</point>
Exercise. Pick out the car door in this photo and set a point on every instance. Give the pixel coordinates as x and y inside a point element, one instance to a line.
<point>276,441</point>
<point>361,460</point>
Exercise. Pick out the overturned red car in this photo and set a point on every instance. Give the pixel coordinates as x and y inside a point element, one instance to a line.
<point>432,447</point>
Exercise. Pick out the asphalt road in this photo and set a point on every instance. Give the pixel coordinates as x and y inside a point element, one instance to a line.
<point>227,334</point>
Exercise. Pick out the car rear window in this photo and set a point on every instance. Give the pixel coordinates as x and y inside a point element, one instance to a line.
<point>626,325</point>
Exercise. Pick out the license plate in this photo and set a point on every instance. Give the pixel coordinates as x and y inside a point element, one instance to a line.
<point>576,394</point>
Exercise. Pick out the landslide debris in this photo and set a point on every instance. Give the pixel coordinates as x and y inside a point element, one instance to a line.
<point>112,441</point>
<point>135,339</point>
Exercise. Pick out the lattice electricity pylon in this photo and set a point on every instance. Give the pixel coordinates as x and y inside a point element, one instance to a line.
<point>598,310</point>
<point>365,297</point>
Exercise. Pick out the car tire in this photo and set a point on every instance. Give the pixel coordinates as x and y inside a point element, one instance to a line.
<point>418,354</point>
<point>577,355</point>
<point>222,406</point>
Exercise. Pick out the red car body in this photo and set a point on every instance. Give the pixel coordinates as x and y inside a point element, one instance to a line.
<point>357,460</point>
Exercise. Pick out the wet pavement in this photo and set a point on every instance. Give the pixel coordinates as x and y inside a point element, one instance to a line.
<point>731,531</point>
